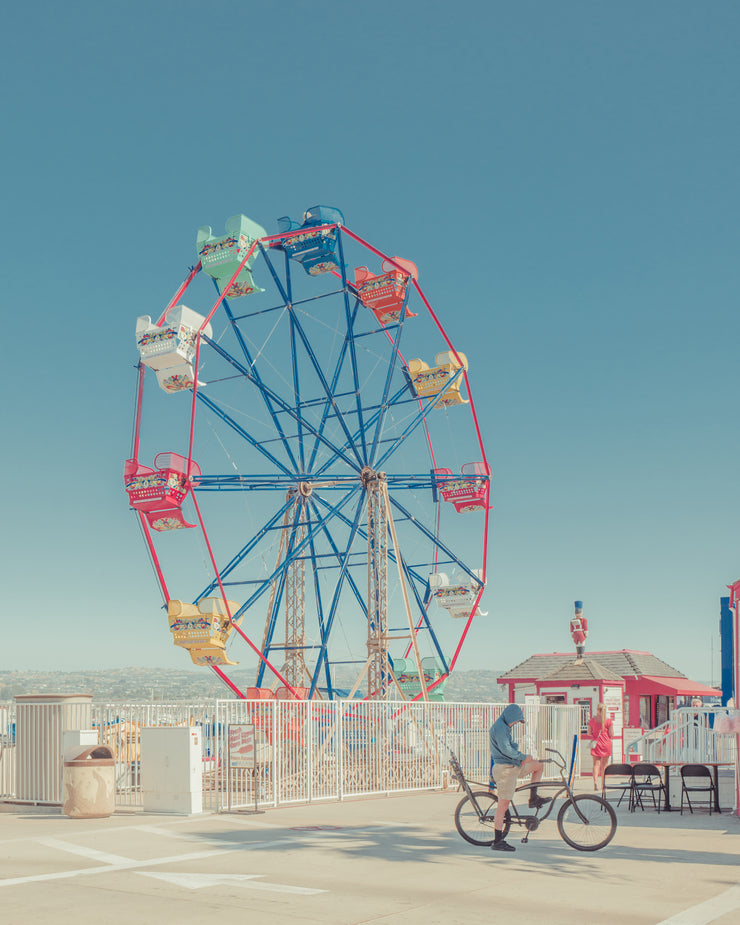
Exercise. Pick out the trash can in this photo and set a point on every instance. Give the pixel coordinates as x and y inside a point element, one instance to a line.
<point>89,784</point>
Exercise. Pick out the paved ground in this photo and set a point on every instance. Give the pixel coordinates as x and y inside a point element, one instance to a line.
<point>392,861</point>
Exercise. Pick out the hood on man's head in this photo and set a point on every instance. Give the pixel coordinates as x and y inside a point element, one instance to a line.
<point>513,714</point>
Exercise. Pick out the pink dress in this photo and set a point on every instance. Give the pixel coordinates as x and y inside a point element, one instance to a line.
<point>601,747</point>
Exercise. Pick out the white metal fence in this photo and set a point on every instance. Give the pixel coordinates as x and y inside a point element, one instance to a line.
<point>309,750</point>
<point>688,736</point>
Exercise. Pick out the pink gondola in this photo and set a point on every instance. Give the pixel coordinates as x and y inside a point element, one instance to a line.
<point>259,693</point>
<point>159,492</point>
<point>283,693</point>
<point>471,491</point>
<point>384,294</point>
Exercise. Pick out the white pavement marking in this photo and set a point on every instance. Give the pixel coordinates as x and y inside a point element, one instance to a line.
<point>152,862</point>
<point>198,881</point>
<point>116,862</point>
<point>707,911</point>
<point>91,853</point>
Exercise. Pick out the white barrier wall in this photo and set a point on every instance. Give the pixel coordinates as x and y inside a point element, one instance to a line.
<point>40,721</point>
<point>321,750</point>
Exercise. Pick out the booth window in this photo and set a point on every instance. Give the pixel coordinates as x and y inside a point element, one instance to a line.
<point>663,708</point>
<point>585,706</point>
<point>646,711</point>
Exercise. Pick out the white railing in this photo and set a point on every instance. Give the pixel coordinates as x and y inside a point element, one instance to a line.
<point>688,736</point>
<point>315,750</point>
<point>7,751</point>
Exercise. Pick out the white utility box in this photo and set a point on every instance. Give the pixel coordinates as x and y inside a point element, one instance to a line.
<point>75,741</point>
<point>172,769</point>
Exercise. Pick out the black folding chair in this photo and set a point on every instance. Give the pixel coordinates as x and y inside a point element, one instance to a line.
<point>696,778</point>
<point>624,783</point>
<point>646,779</point>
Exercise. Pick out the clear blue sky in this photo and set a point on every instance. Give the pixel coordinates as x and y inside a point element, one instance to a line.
<point>565,175</point>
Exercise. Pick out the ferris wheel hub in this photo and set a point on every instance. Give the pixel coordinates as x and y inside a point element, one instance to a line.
<point>369,474</point>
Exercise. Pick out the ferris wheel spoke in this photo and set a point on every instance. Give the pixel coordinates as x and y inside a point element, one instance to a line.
<point>246,550</point>
<point>297,328</point>
<point>346,344</point>
<point>236,482</point>
<point>362,534</point>
<point>334,512</point>
<point>325,385</point>
<point>297,390</point>
<point>286,292</point>
<point>424,615</point>
<point>265,397</point>
<point>338,556</point>
<point>437,541</point>
<point>343,570</point>
<point>284,406</point>
<point>279,589</point>
<point>371,420</point>
<point>386,390</point>
<point>230,422</point>
<point>317,590</point>
<point>351,316</point>
<point>411,482</point>
<point>416,422</point>
<point>327,407</point>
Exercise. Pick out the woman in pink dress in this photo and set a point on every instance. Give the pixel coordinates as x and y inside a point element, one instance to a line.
<point>600,730</point>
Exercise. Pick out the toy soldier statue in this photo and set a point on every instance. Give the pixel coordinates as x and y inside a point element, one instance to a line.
<point>579,629</point>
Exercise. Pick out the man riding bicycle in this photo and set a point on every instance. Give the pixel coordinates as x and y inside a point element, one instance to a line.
<point>508,764</point>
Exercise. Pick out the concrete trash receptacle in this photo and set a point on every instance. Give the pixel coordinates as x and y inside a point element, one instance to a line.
<point>89,784</point>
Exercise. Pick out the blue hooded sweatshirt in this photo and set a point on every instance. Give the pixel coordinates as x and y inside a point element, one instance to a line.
<point>504,749</point>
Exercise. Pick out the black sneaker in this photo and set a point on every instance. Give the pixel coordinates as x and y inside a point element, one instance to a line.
<point>538,802</point>
<point>502,846</point>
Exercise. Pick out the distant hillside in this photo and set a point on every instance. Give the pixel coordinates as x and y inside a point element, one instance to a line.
<point>146,684</point>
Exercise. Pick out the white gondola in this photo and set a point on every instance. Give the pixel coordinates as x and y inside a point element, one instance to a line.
<point>456,597</point>
<point>170,349</point>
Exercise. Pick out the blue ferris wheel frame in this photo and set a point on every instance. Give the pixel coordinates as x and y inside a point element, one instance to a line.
<point>360,448</point>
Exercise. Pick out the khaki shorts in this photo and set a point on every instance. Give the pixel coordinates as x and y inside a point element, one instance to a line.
<point>506,776</point>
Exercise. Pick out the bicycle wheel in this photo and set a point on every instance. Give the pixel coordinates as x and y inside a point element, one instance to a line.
<point>592,832</point>
<point>475,824</point>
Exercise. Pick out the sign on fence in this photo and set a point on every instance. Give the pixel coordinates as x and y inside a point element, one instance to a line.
<point>242,759</point>
<point>241,745</point>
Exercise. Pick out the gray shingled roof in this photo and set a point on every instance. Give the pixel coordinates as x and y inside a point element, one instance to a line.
<point>623,663</point>
<point>586,669</point>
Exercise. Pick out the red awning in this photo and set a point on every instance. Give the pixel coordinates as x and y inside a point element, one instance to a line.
<point>675,687</point>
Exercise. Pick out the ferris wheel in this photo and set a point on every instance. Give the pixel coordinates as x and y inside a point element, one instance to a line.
<point>307,466</point>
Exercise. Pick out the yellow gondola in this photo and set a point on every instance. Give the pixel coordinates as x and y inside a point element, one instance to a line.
<point>203,628</point>
<point>429,381</point>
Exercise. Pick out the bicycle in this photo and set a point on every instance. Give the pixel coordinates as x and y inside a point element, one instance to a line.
<point>585,821</point>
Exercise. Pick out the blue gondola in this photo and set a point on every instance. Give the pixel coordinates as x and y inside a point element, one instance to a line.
<point>315,250</point>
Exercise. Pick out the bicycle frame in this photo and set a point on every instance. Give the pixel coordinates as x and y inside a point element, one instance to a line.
<point>530,822</point>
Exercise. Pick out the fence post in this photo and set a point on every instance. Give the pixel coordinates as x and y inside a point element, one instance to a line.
<point>219,756</point>
<point>339,745</point>
<point>309,745</point>
<point>276,753</point>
